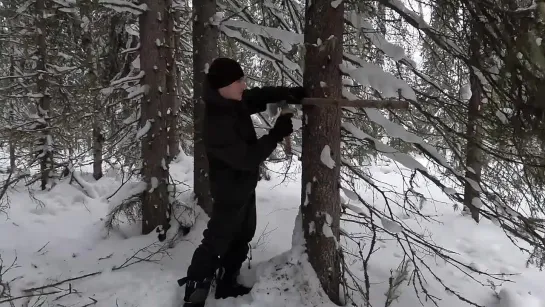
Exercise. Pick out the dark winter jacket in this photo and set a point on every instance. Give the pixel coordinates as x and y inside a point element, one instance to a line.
<point>233,150</point>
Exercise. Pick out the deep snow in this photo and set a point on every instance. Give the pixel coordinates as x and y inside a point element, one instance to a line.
<point>64,237</point>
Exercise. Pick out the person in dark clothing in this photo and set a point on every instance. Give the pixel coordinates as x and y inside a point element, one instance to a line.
<point>234,154</point>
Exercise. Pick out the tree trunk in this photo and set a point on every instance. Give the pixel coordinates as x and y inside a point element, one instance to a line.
<point>474,159</point>
<point>98,140</point>
<point>205,49</point>
<point>155,57</point>
<point>173,82</point>
<point>92,82</point>
<point>12,138</point>
<point>45,154</point>
<point>321,130</point>
<point>113,64</point>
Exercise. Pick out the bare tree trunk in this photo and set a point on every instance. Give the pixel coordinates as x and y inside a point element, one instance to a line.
<point>12,145</point>
<point>205,49</point>
<point>321,135</point>
<point>12,141</point>
<point>98,140</point>
<point>156,54</point>
<point>474,155</point>
<point>113,64</point>
<point>92,77</point>
<point>45,154</point>
<point>173,82</point>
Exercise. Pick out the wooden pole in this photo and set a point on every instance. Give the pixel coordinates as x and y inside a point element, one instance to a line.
<point>359,103</point>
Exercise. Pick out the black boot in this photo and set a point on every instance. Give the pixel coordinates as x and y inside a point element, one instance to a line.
<point>227,285</point>
<point>196,292</point>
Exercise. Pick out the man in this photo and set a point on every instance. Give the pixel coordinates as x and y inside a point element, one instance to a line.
<point>234,155</point>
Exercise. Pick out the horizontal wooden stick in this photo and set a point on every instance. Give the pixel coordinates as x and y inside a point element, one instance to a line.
<point>359,103</point>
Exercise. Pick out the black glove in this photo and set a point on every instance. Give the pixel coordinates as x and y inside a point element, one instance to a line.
<point>283,127</point>
<point>297,94</point>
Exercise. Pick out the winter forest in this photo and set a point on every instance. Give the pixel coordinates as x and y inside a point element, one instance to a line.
<point>431,195</point>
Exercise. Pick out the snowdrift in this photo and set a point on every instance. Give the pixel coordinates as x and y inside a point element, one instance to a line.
<point>59,235</point>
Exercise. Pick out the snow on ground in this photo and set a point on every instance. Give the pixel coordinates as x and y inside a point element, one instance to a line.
<point>64,237</point>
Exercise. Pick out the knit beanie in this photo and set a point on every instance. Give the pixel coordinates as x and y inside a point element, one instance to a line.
<point>223,71</point>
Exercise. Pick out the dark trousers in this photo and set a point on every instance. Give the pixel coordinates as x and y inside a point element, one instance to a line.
<point>226,238</point>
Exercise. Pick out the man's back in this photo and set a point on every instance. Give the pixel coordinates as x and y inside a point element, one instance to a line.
<point>226,123</point>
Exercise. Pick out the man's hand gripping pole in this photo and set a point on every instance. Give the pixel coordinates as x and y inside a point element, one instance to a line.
<point>281,108</point>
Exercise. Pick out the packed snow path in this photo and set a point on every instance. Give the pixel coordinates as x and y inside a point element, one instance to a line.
<point>64,237</point>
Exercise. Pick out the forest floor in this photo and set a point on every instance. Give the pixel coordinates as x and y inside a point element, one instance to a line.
<point>60,234</point>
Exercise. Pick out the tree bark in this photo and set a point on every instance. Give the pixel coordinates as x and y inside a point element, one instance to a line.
<point>112,65</point>
<point>45,154</point>
<point>12,139</point>
<point>172,83</point>
<point>205,49</point>
<point>91,64</point>
<point>156,54</point>
<point>474,158</point>
<point>321,210</point>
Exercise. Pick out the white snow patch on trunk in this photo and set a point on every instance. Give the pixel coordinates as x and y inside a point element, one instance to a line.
<point>465,92</point>
<point>326,228</point>
<point>325,157</point>
<point>474,184</point>
<point>144,130</point>
<point>164,164</point>
<point>476,202</point>
<point>335,3</point>
<point>308,190</point>
<point>154,184</point>
<point>312,227</point>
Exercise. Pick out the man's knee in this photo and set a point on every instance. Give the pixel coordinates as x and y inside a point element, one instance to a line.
<point>223,227</point>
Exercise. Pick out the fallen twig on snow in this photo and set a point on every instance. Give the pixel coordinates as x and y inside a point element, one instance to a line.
<point>12,299</point>
<point>5,291</point>
<point>42,247</point>
<point>133,259</point>
<point>106,257</point>
<point>93,302</point>
<point>62,282</point>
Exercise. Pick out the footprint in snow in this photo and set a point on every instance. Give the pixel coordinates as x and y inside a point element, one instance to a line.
<point>465,246</point>
<point>59,200</point>
<point>78,199</point>
<point>39,221</point>
<point>43,210</point>
<point>512,298</point>
<point>385,170</point>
